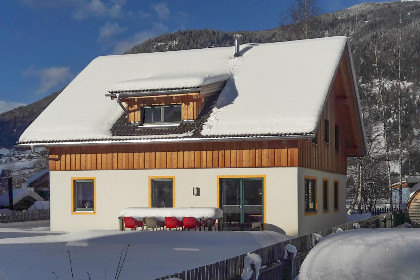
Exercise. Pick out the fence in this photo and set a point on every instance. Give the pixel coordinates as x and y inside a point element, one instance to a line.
<point>18,216</point>
<point>275,266</point>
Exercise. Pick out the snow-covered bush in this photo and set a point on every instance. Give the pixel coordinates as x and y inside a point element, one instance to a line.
<point>316,237</point>
<point>289,249</point>
<point>339,230</point>
<point>251,259</point>
<point>356,225</point>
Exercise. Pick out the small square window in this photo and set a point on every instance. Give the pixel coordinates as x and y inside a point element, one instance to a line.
<point>84,195</point>
<point>162,192</point>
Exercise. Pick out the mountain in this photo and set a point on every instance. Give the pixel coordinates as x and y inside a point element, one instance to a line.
<point>14,122</point>
<point>380,34</point>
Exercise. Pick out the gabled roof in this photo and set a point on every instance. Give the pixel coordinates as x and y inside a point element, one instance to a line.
<point>275,89</point>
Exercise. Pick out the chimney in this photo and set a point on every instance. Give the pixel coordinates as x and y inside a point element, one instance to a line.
<point>237,44</point>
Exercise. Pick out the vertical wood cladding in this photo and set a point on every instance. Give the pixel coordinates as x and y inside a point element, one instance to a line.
<point>176,155</point>
<point>331,156</point>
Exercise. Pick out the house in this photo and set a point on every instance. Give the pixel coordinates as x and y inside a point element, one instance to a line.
<point>39,183</point>
<point>262,132</point>
<point>22,199</point>
<point>413,208</point>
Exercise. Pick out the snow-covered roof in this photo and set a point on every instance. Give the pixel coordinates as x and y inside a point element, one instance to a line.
<point>18,195</point>
<point>169,82</point>
<point>274,88</point>
<point>35,177</point>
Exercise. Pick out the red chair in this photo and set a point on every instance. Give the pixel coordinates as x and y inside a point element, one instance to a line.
<point>189,223</point>
<point>172,222</point>
<point>130,222</point>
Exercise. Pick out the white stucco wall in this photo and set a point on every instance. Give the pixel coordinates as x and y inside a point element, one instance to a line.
<point>321,220</point>
<point>118,189</point>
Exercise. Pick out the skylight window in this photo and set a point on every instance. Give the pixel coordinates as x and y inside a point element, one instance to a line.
<point>160,115</point>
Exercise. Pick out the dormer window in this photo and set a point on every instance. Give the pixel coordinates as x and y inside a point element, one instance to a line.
<point>162,114</point>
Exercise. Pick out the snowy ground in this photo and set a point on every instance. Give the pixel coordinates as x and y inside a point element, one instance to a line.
<point>365,254</point>
<point>30,251</point>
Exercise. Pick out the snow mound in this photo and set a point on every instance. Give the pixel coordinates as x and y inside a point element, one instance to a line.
<point>251,259</point>
<point>289,249</point>
<point>365,254</point>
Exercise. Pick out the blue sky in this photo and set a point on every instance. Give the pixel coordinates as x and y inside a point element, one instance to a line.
<point>45,43</point>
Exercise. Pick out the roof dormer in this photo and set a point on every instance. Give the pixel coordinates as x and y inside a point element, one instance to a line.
<point>167,100</point>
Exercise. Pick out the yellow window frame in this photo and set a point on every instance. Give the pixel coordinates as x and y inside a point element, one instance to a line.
<point>245,176</point>
<point>313,212</point>
<point>73,211</point>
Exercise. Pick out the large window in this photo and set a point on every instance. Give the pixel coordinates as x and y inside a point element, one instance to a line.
<point>83,198</point>
<point>325,202</point>
<point>167,114</point>
<point>162,192</point>
<point>310,195</point>
<point>336,196</point>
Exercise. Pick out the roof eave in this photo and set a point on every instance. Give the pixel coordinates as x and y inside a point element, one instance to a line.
<point>164,140</point>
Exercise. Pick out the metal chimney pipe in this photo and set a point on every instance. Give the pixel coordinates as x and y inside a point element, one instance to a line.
<point>237,44</point>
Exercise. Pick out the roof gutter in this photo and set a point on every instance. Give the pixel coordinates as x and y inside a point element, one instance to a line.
<point>135,93</point>
<point>166,140</point>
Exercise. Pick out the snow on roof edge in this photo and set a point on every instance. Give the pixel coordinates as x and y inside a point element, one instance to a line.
<point>359,105</point>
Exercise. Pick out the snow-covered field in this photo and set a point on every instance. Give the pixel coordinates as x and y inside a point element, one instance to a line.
<point>365,254</point>
<point>30,251</point>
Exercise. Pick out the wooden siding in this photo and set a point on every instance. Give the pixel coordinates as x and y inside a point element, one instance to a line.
<point>414,208</point>
<point>323,156</point>
<point>339,108</point>
<point>192,105</point>
<point>180,155</point>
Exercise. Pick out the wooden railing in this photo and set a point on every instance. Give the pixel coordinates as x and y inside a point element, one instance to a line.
<point>275,266</point>
<point>24,216</point>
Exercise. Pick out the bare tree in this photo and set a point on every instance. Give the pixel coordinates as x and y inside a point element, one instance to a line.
<point>302,14</point>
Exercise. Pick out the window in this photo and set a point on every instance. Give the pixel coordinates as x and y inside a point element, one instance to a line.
<point>327,131</point>
<point>336,196</point>
<point>162,192</point>
<point>83,195</point>
<point>166,114</point>
<point>325,203</point>
<point>337,138</point>
<point>310,195</point>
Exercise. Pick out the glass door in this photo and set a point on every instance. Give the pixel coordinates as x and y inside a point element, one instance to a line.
<point>241,200</point>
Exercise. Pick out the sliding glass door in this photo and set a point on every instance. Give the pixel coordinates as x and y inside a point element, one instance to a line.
<point>241,200</point>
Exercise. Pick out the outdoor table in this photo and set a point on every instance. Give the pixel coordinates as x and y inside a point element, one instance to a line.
<point>179,213</point>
